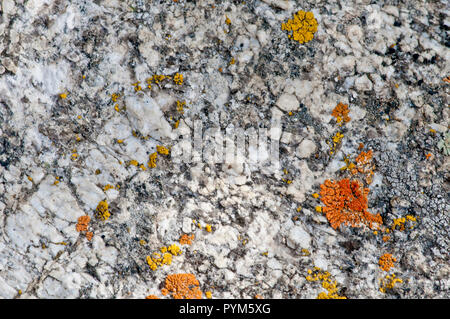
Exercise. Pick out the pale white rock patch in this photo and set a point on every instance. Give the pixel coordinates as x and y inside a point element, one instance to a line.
<point>288,102</point>
<point>306,148</point>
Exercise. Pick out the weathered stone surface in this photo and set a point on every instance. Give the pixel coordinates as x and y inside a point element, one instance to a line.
<point>79,122</point>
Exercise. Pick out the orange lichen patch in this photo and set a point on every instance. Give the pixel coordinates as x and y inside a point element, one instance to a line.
<point>164,292</point>
<point>185,239</point>
<point>82,225</point>
<point>386,238</point>
<point>364,157</point>
<point>151,297</point>
<point>83,222</point>
<point>346,203</point>
<point>182,286</point>
<point>303,26</point>
<point>340,112</point>
<point>364,166</point>
<point>428,155</point>
<point>386,262</point>
<point>447,79</point>
<point>89,235</point>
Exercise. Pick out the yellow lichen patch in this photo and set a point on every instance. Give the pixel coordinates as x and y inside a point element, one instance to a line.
<point>227,20</point>
<point>174,250</point>
<point>156,78</point>
<point>386,262</point>
<point>180,106</point>
<point>137,86</point>
<point>63,95</point>
<point>151,263</point>
<point>107,187</point>
<point>164,258</point>
<point>102,210</point>
<point>324,276</point>
<point>133,162</point>
<point>162,150</point>
<point>337,138</point>
<point>152,160</point>
<point>401,221</point>
<point>389,282</point>
<point>302,27</point>
<point>56,182</point>
<point>74,155</point>
<point>178,78</point>
<point>305,252</point>
<point>208,228</point>
<point>114,97</point>
<point>315,195</point>
<point>335,142</point>
<point>208,294</point>
<point>348,164</point>
<point>232,61</point>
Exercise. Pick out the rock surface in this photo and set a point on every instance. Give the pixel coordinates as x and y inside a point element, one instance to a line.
<point>77,114</point>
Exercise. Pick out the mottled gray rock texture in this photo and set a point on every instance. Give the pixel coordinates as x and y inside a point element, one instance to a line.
<point>64,137</point>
